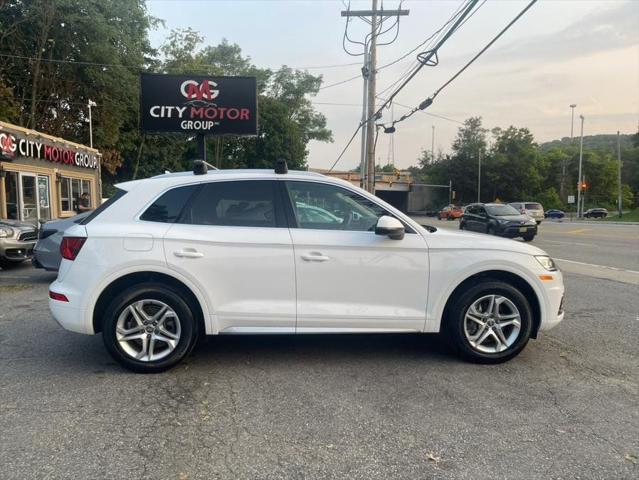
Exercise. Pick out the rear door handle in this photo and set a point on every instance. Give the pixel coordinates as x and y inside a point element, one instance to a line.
<point>315,257</point>
<point>188,253</point>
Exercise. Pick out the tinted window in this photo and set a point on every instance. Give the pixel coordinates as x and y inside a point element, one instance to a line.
<point>119,193</point>
<point>327,207</point>
<point>244,203</point>
<point>471,210</point>
<point>168,207</point>
<point>501,210</point>
<point>533,206</point>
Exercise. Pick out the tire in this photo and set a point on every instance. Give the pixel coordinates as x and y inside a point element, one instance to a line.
<point>490,230</point>
<point>6,264</point>
<point>461,225</point>
<point>528,238</point>
<point>459,329</point>
<point>178,332</point>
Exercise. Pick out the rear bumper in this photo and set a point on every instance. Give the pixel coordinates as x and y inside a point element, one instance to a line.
<point>70,315</point>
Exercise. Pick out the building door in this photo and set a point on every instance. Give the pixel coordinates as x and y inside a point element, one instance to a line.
<point>28,198</point>
<point>32,198</point>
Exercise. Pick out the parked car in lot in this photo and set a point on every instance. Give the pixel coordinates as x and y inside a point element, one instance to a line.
<point>16,242</point>
<point>553,213</point>
<point>596,213</point>
<point>498,219</point>
<point>532,209</point>
<point>171,258</point>
<point>46,253</point>
<point>450,212</point>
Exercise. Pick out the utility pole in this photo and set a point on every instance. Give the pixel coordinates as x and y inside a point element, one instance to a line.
<point>99,199</point>
<point>579,180</point>
<point>619,172</point>
<point>432,147</point>
<point>370,125</point>
<point>479,176</point>
<point>572,120</point>
<point>362,162</point>
<point>375,18</point>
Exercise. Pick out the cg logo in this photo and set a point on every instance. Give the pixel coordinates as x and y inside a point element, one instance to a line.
<point>199,91</point>
<point>7,143</point>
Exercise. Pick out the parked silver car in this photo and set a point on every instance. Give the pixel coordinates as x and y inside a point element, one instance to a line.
<point>46,253</point>
<point>533,209</point>
<point>16,242</point>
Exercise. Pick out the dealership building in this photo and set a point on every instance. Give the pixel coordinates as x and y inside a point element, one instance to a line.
<point>44,177</point>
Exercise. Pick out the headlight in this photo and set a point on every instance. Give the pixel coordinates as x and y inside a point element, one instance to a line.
<point>546,262</point>
<point>6,232</point>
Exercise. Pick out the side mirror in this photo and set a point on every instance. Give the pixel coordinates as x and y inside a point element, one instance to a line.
<point>390,227</point>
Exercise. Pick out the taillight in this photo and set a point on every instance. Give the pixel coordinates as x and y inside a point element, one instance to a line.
<point>70,247</point>
<point>58,296</point>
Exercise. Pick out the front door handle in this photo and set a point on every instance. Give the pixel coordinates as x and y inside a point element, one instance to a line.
<point>188,253</point>
<point>315,257</point>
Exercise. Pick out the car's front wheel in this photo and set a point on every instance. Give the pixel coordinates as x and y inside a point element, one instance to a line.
<point>528,238</point>
<point>149,328</point>
<point>490,322</point>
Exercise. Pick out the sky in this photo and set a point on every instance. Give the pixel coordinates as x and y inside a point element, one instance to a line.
<point>561,52</point>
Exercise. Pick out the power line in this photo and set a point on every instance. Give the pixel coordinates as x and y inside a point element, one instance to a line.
<point>427,102</point>
<point>98,64</point>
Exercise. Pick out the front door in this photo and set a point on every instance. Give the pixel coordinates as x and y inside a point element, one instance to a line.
<point>348,278</point>
<point>28,198</point>
<point>233,241</point>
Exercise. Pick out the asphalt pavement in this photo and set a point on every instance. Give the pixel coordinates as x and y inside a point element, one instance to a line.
<point>358,406</point>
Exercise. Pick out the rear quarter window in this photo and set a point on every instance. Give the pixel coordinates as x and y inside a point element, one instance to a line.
<point>119,193</point>
<point>168,207</point>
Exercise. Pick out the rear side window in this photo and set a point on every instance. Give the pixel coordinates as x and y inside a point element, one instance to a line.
<point>243,203</point>
<point>119,193</point>
<point>168,207</point>
<point>533,206</point>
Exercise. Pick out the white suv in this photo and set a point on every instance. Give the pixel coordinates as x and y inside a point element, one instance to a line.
<point>174,257</point>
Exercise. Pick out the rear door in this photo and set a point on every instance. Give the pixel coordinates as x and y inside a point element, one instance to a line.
<point>348,278</point>
<point>232,239</point>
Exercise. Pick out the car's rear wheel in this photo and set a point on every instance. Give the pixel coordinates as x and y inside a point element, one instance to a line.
<point>490,322</point>
<point>490,230</point>
<point>149,328</point>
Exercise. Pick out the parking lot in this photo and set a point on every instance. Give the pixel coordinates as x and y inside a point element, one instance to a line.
<point>359,406</point>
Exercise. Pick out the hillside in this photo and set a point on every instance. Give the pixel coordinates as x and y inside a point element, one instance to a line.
<point>604,142</point>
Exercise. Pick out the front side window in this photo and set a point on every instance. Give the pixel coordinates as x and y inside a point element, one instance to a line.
<point>243,203</point>
<point>167,208</point>
<point>328,207</point>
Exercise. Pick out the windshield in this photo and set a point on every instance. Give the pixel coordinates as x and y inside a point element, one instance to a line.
<point>501,210</point>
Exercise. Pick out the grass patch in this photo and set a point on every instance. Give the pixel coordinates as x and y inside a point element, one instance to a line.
<point>632,216</point>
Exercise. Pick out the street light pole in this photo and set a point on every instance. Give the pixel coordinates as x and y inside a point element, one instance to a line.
<point>581,154</point>
<point>99,199</point>
<point>619,172</point>
<point>432,147</point>
<point>572,120</point>
<point>479,176</point>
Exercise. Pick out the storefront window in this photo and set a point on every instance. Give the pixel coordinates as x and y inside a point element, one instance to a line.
<point>74,189</point>
<point>11,188</point>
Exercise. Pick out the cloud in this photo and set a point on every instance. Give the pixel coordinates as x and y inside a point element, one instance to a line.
<point>601,30</point>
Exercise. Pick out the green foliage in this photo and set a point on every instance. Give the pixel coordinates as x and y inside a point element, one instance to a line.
<point>104,45</point>
<point>515,168</point>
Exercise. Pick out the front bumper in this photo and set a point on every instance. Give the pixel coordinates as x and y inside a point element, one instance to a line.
<point>512,231</point>
<point>16,250</point>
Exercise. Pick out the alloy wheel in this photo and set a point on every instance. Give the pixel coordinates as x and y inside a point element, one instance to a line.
<point>492,324</point>
<point>148,330</point>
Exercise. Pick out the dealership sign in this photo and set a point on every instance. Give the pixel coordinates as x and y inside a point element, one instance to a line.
<point>198,104</point>
<point>17,144</point>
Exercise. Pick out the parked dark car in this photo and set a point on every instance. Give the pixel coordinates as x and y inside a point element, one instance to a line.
<point>553,213</point>
<point>596,213</point>
<point>498,219</point>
